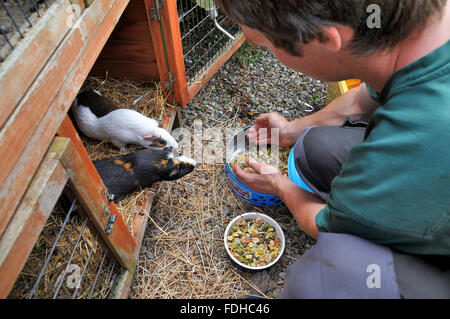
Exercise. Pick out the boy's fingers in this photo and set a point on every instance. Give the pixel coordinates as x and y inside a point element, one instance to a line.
<point>262,117</point>
<point>242,176</point>
<point>260,168</point>
<point>259,135</point>
<point>253,164</point>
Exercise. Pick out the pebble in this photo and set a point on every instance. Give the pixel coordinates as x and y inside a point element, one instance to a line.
<point>258,88</point>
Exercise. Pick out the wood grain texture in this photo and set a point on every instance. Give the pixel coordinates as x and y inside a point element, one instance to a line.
<point>25,62</point>
<point>90,192</point>
<point>27,134</point>
<point>172,35</point>
<point>31,216</point>
<point>129,52</point>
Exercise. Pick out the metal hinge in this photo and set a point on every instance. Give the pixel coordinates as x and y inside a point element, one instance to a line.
<point>172,79</point>
<point>111,218</point>
<point>110,223</point>
<point>155,12</point>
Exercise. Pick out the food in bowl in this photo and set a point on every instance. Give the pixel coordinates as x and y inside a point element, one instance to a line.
<point>264,156</point>
<point>253,242</point>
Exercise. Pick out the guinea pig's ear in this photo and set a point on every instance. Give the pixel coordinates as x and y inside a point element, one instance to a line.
<point>149,137</point>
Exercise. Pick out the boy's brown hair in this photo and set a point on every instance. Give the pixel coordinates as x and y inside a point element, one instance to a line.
<point>288,23</point>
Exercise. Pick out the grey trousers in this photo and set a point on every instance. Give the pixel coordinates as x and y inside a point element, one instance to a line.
<point>347,266</point>
<point>343,266</point>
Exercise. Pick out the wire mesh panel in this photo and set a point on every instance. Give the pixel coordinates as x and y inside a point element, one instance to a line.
<point>16,18</point>
<point>201,37</point>
<point>68,260</point>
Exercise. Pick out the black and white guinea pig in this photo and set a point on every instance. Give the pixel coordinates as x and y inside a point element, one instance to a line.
<point>98,117</point>
<point>125,174</point>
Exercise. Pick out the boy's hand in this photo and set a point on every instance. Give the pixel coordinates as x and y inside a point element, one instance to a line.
<point>270,121</point>
<point>266,178</point>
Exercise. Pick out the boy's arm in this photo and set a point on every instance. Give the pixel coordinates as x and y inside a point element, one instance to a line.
<point>356,103</point>
<point>267,179</point>
<point>302,205</point>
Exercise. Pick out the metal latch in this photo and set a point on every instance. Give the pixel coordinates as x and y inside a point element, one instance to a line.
<point>213,15</point>
<point>172,79</point>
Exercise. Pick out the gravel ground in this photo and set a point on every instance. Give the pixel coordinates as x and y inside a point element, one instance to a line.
<point>252,82</point>
<point>183,254</point>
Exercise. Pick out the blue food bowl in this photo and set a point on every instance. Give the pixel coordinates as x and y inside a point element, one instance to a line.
<point>238,144</point>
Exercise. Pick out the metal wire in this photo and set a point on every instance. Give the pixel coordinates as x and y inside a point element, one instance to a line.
<point>85,267</point>
<point>96,277</point>
<point>69,254</point>
<point>11,17</point>
<point>35,6</point>
<point>16,17</point>
<point>201,40</point>
<point>70,259</point>
<point>23,11</point>
<point>66,220</point>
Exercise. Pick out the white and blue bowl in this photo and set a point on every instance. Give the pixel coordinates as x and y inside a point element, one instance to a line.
<point>237,144</point>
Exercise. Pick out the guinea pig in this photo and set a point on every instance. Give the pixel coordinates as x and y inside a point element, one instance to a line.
<point>125,174</point>
<point>98,117</point>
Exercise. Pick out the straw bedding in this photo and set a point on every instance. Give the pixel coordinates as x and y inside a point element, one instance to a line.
<point>183,254</point>
<point>143,97</point>
<point>146,98</point>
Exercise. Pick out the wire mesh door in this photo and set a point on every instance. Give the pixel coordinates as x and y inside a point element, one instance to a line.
<point>205,34</point>
<point>17,17</point>
<point>69,260</point>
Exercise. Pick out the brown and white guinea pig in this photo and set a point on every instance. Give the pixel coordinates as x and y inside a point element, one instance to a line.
<point>98,117</point>
<point>125,174</point>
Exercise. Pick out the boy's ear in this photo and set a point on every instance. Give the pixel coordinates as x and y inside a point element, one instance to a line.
<point>331,39</point>
<point>337,37</point>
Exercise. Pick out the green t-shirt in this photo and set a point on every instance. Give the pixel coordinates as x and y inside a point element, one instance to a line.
<point>394,188</point>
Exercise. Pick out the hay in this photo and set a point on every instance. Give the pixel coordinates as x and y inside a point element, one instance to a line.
<point>146,98</point>
<point>96,281</point>
<point>183,254</point>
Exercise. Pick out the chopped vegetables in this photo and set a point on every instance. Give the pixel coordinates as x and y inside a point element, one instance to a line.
<point>253,242</point>
<point>264,157</point>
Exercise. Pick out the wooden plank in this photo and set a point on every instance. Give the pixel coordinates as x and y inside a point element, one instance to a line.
<point>209,73</point>
<point>27,135</point>
<point>123,283</point>
<point>24,63</point>
<point>89,190</point>
<point>88,187</point>
<point>129,52</point>
<point>172,35</point>
<point>158,46</point>
<point>31,216</point>
<point>121,70</point>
